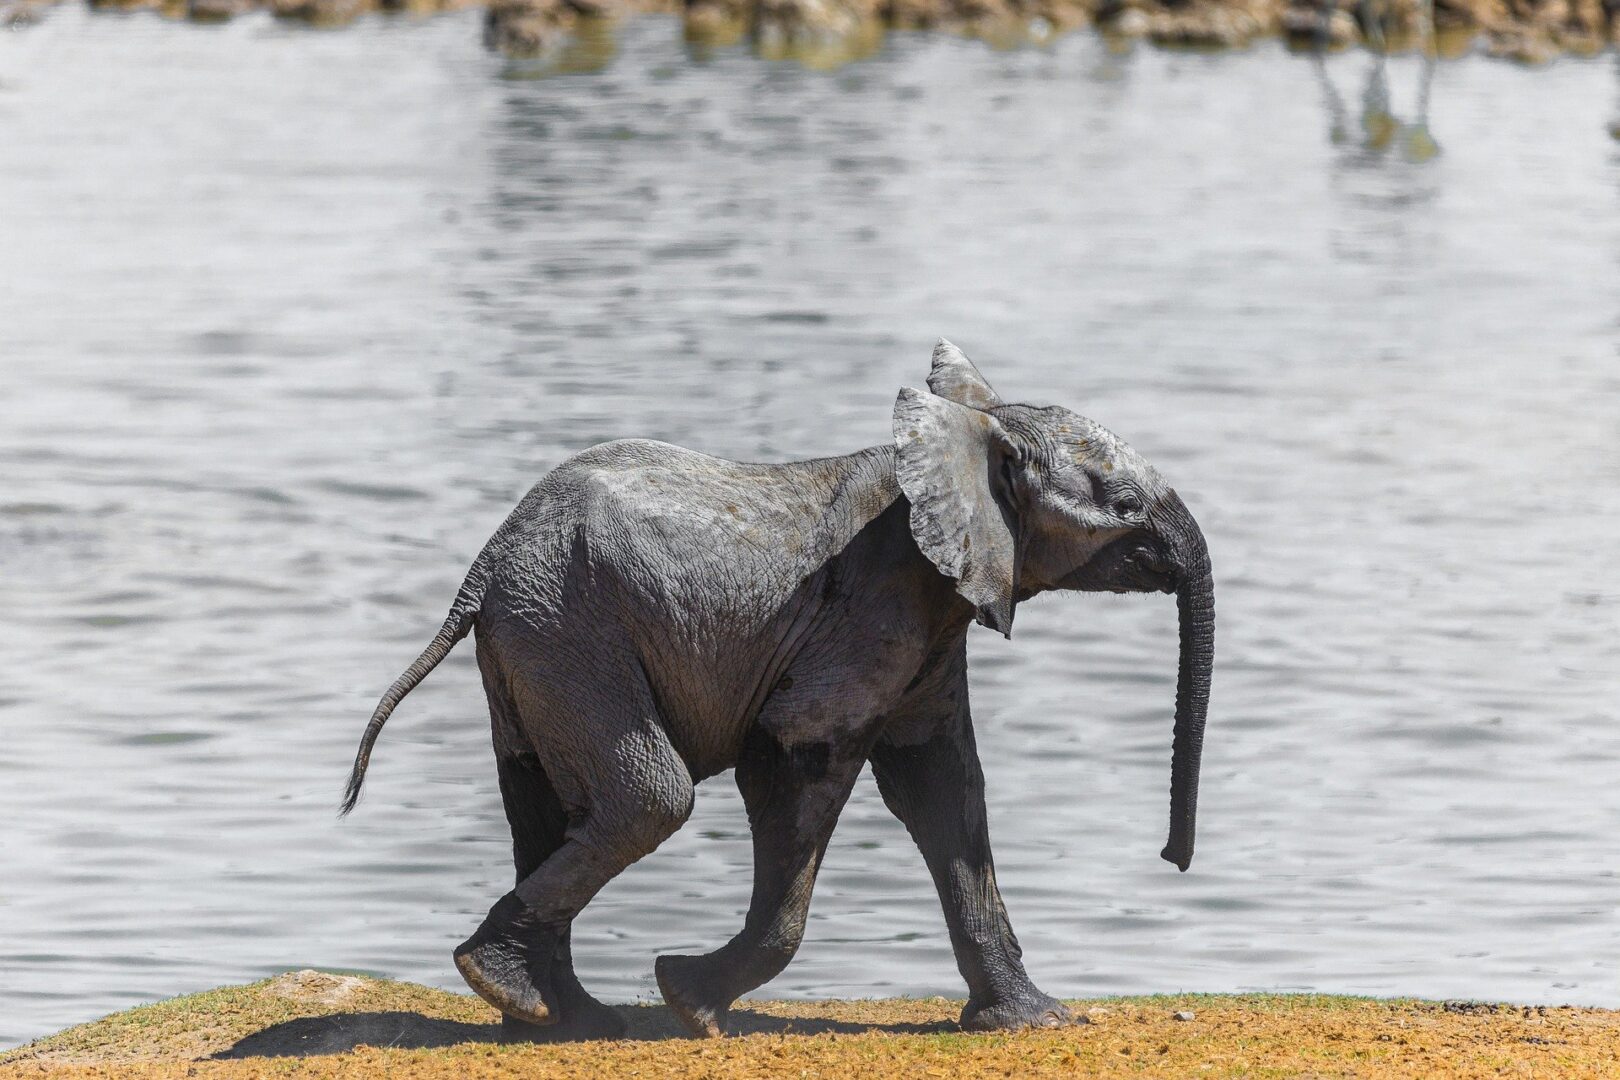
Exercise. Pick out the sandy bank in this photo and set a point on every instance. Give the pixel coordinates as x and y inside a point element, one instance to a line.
<point>307,1024</point>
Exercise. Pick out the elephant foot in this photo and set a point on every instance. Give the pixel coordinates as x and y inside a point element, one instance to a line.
<point>1014,1012</point>
<point>690,991</point>
<point>507,962</point>
<point>577,1021</point>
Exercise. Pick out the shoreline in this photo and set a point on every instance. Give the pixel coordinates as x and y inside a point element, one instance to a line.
<point>314,1024</point>
<point>832,32</point>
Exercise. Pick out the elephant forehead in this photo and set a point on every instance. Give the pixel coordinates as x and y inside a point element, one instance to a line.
<point>1087,442</point>
<point>1077,434</point>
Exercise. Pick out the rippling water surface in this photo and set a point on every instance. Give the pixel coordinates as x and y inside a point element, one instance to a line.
<point>289,320</point>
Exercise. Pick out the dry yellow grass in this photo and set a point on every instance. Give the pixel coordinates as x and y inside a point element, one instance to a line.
<point>441,1035</point>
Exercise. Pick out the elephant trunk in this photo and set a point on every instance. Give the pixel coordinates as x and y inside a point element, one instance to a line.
<point>1195,604</point>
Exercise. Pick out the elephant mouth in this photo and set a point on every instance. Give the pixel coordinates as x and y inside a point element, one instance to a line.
<point>1147,569</point>
<point>1126,566</point>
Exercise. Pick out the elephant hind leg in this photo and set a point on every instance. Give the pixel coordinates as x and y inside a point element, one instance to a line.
<point>538,822</point>
<point>620,789</point>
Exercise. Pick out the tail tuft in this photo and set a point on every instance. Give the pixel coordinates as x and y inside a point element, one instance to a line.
<point>351,790</point>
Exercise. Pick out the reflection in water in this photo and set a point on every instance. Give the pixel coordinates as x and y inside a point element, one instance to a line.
<point>1420,144</point>
<point>1380,125</point>
<point>820,51</point>
<point>1614,126</point>
<point>393,285</point>
<point>590,46</point>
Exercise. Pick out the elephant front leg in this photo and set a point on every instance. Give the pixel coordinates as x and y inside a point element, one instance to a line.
<point>936,788</point>
<point>793,796</point>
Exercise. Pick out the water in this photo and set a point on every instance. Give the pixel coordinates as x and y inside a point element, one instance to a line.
<point>289,320</point>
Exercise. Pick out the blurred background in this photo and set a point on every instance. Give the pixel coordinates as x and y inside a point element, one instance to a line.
<point>289,319</point>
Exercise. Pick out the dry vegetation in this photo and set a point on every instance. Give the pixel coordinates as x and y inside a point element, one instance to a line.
<point>352,1027</point>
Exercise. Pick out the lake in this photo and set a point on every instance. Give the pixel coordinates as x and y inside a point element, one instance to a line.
<point>289,319</point>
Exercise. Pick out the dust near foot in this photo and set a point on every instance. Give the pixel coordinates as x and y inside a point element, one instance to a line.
<point>312,1024</point>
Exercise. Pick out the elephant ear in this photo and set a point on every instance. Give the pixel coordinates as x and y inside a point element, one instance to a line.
<point>948,463</point>
<point>956,379</point>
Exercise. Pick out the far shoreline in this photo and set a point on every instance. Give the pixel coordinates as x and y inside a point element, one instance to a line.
<point>828,33</point>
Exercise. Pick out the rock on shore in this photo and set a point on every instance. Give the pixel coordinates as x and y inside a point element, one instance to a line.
<point>316,1024</point>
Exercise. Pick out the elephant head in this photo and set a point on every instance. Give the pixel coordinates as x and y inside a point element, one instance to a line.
<point>1012,500</point>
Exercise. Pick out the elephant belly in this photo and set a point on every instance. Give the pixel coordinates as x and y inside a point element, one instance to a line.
<point>707,704</point>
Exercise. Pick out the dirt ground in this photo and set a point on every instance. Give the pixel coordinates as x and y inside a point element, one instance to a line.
<point>312,1024</point>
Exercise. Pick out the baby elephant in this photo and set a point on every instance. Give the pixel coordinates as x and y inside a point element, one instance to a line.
<point>650,616</point>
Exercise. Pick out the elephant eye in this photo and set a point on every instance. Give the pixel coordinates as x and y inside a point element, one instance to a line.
<point>1128,504</point>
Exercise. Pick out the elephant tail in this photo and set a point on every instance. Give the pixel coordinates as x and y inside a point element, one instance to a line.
<point>456,626</point>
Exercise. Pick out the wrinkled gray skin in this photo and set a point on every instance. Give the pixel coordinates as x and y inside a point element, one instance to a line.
<point>649,616</point>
